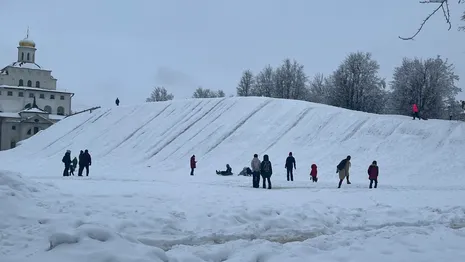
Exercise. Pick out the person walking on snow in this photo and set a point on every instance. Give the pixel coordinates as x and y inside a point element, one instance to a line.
<point>81,163</point>
<point>117,102</point>
<point>415,112</point>
<point>67,161</point>
<point>255,165</point>
<point>290,163</point>
<point>266,170</point>
<point>314,173</point>
<point>373,172</point>
<point>343,170</point>
<point>193,164</point>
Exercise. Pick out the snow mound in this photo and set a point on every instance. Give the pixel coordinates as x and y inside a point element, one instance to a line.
<point>13,184</point>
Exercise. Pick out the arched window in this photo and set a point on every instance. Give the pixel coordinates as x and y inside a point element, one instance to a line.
<point>28,56</point>
<point>37,84</point>
<point>61,111</point>
<point>27,106</point>
<point>36,130</point>
<point>48,109</point>
<point>22,56</point>
<point>29,83</point>
<point>21,82</point>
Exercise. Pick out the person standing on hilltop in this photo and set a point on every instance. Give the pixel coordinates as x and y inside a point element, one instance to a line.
<point>415,112</point>
<point>117,102</point>
<point>290,163</point>
<point>193,164</point>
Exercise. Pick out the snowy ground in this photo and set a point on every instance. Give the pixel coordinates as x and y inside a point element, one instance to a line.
<point>136,208</point>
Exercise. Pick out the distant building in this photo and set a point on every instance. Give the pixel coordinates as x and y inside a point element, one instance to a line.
<point>29,100</point>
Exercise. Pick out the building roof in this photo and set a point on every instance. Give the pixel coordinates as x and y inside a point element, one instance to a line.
<point>34,89</point>
<point>16,115</point>
<point>34,110</point>
<point>26,42</point>
<point>26,65</point>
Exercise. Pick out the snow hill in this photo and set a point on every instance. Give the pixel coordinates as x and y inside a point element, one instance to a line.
<point>162,136</point>
<point>140,204</point>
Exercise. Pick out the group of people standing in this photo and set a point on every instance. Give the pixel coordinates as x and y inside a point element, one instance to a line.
<point>264,170</point>
<point>85,160</point>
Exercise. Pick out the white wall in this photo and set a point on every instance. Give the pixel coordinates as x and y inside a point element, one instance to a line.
<point>16,73</point>
<point>16,103</point>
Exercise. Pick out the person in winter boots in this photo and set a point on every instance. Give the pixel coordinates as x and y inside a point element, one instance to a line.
<point>87,161</point>
<point>73,166</point>
<point>228,171</point>
<point>314,173</point>
<point>290,163</point>
<point>81,163</point>
<point>343,170</point>
<point>266,171</point>
<point>255,164</point>
<point>415,112</point>
<point>193,164</point>
<point>373,172</point>
<point>67,161</point>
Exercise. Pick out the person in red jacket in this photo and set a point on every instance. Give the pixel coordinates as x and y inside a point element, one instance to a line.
<point>193,164</point>
<point>373,172</point>
<point>314,173</point>
<point>415,112</point>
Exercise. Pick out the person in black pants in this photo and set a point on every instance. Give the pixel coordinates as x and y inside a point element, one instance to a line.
<point>67,161</point>
<point>85,161</point>
<point>290,163</point>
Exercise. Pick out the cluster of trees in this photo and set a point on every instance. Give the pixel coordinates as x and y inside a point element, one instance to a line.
<point>161,94</point>
<point>356,85</point>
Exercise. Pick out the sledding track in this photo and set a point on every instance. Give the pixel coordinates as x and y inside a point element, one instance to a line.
<point>163,135</point>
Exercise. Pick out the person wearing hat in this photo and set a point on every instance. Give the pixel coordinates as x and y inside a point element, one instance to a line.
<point>67,161</point>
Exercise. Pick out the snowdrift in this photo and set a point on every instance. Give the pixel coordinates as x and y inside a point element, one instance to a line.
<point>161,137</point>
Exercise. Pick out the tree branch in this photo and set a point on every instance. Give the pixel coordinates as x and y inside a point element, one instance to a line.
<point>443,4</point>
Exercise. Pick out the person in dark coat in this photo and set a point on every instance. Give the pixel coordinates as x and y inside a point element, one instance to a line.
<point>87,161</point>
<point>290,163</point>
<point>73,166</point>
<point>314,173</point>
<point>228,171</point>
<point>81,163</point>
<point>67,161</point>
<point>117,102</point>
<point>343,170</point>
<point>373,172</point>
<point>266,170</point>
<point>193,164</point>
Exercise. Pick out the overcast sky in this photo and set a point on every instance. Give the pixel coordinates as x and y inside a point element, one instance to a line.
<point>103,49</point>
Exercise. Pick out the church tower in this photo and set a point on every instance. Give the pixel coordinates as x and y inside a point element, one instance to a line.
<point>27,50</point>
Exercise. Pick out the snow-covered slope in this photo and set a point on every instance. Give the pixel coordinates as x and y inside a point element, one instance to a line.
<point>140,204</point>
<point>162,136</point>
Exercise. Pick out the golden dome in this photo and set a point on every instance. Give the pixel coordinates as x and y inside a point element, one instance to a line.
<point>27,43</point>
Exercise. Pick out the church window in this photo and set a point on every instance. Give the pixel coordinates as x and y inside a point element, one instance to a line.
<point>36,130</point>
<point>31,95</point>
<point>20,94</point>
<point>62,97</point>
<point>37,84</point>
<point>28,106</point>
<point>29,83</point>
<point>60,111</point>
<point>22,56</point>
<point>52,96</point>
<point>21,82</point>
<point>13,127</point>
<point>28,57</point>
<point>13,144</point>
<point>36,120</point>
<point>29,131</point>
<point>48,109</point>
<point>10,93</point>
<point>42,96</point>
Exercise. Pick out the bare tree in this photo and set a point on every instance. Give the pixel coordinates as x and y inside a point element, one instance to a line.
<point>319,90</point>
<point>246,84</point>
<point>441,5</point>
<point>356,85</point>
<point>290,81</point>
<point>429,84</point>
<point>207,93</point>
<point>159,94</point>
<point>264,83</point>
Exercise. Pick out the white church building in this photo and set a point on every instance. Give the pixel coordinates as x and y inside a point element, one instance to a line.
<point>29,99</point>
